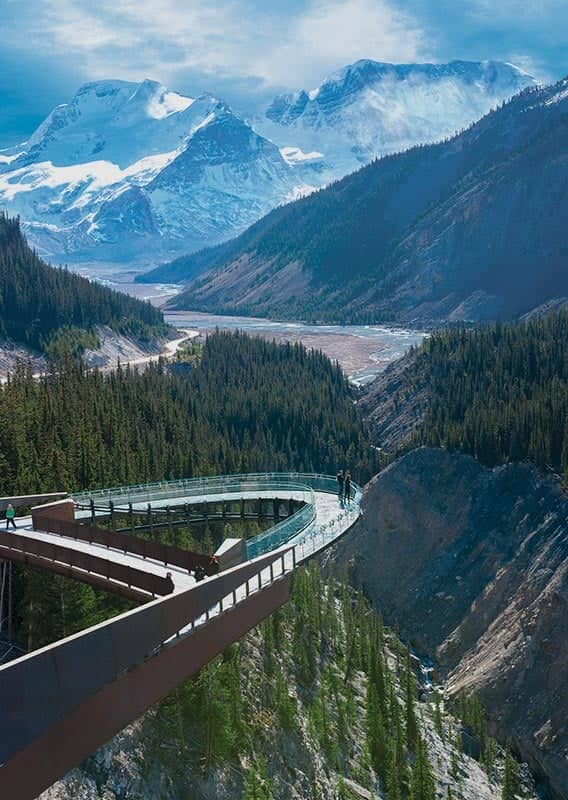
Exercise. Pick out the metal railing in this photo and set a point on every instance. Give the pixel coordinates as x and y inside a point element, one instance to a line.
<point>283,532</point>
<point>84,566</point>
<point>302,485</point>
<point>219,484</point>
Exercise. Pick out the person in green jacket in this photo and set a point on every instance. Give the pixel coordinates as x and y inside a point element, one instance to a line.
<point>10,516</point>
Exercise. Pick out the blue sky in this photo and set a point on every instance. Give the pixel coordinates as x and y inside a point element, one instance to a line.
<point>243,50</point>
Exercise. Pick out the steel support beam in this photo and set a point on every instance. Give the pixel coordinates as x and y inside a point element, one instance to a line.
<point>69,741</point>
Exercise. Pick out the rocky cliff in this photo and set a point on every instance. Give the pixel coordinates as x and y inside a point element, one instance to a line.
<point>472,564</point>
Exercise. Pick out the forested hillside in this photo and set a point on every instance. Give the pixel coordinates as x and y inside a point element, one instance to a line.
<point>38,302</point>
<point>468,229</point>
<point>499,393</point>
<point>250,405</point>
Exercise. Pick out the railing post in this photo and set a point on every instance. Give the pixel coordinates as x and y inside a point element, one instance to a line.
<point>111,506</point>
<point>131,514</point>
<point>92,511</point>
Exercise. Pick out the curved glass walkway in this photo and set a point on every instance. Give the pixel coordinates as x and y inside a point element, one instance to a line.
<point>321,519</point>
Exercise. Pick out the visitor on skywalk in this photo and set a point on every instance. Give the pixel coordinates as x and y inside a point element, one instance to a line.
<point>347,492</point>
<point>340,485</point>
<point>214,566</point>
<point>10,516</point>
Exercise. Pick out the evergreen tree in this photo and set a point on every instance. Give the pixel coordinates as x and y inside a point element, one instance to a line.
<point>422,784</point>
<point>511,781</point>
<point>411,722</point>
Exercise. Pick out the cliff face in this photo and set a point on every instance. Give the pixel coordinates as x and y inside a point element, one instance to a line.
<point>472,564</point>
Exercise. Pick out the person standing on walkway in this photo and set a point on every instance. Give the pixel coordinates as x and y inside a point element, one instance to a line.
<point>340,485</point>
<point>10,516</point>
<point>348,487</point>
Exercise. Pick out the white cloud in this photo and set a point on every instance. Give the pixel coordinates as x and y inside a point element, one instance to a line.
<point>228,38</point>
<point>331,34</point>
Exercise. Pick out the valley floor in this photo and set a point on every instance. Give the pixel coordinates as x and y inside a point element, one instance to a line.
<point>362,351</point>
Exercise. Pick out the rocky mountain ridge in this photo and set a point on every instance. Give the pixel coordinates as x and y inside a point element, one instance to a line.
<point>369,109</point>
<point>131,171</point>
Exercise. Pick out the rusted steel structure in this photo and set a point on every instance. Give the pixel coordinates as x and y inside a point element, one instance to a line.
<point>167,554</point>
<point>104,573</point>
<point>61,703</point>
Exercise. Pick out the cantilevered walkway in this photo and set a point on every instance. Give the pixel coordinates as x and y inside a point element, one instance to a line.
<point>60,703</point>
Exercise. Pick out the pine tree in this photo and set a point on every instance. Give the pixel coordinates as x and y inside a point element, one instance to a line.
<point>422,784</point>
<point>511,780</point>
<point>438,725</point>
<point>412,733</point>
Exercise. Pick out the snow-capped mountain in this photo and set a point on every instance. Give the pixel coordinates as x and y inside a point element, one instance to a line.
<point>130,171</point>
<point>369,109</point>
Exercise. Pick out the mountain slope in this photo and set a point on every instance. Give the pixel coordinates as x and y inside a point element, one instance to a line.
<point>37,301</point>
<point>477,557</point>
<point>312,704</point>
<point>471,228</point>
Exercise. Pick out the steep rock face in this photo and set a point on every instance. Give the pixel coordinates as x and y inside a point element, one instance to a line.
<point>395,403</point>
<point>473,565</point>
<point>224,179</point>
<point>470,229</point>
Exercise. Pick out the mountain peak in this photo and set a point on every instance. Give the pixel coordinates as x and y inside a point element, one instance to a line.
<point>371,108</point>
<point>367,71</point>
